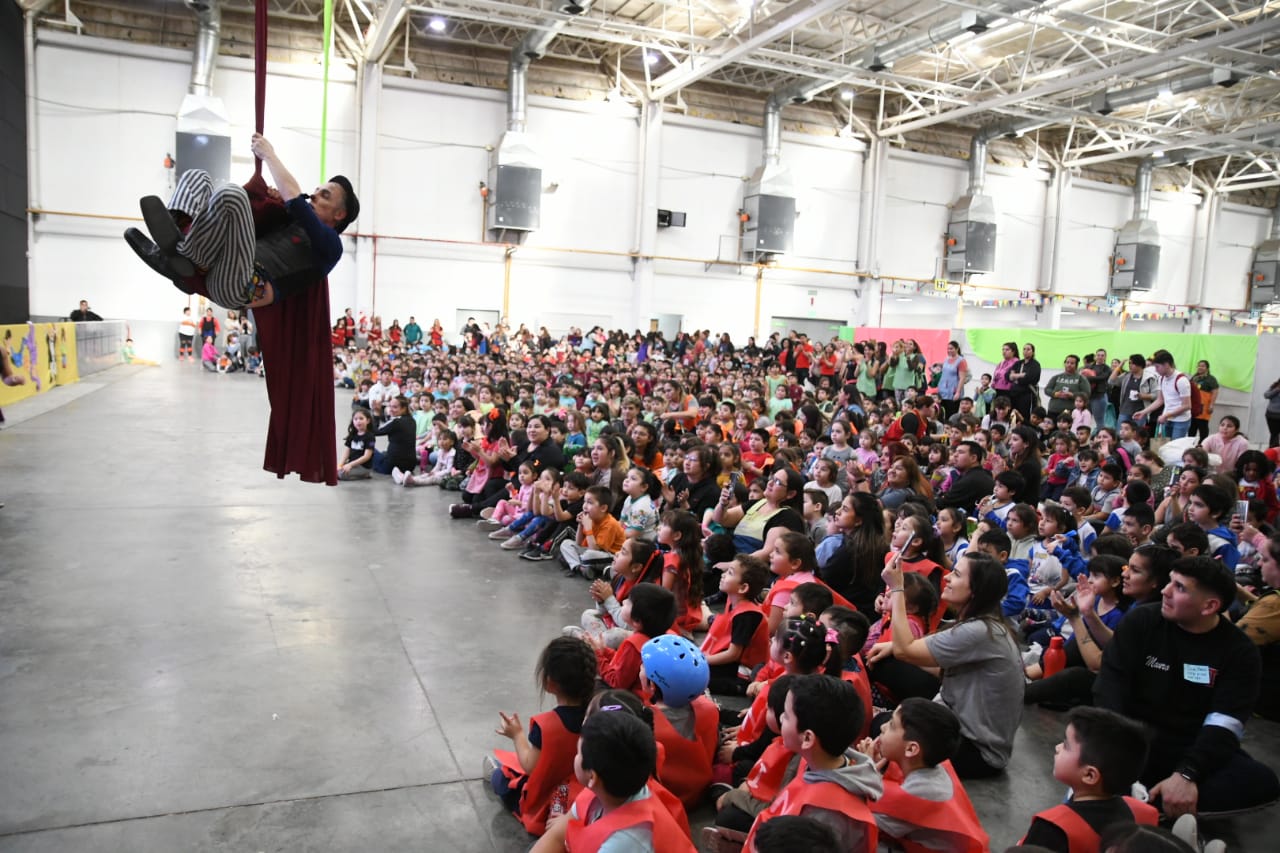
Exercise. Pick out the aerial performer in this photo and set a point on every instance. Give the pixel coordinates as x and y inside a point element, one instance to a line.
<point>270,250</point>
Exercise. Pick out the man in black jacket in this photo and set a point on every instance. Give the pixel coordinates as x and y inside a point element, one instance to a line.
<point>83,314</point>
<point>1192,677</point>
<point>974,482</point>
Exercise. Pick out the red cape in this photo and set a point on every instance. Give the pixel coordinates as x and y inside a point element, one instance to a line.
<point>297,352</point>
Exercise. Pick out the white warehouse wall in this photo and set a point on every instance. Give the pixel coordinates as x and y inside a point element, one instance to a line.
<point>105,119</point>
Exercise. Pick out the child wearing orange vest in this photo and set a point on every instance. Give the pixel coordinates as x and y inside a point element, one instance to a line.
<point>738,639</point>
<point>794,562</point>
<point>820,721</point>
<point>846,631</point>
<point>1100,757</point>
<point>773,769</point>
<point>924,806</point>
<point>649,612</point>
<point>638,562</point>
<point>800,646</point>
<point>685,721</point>
<point>807,599</point>
<point>616,756</point>
<point>682,566</point>
<point>532,781</point>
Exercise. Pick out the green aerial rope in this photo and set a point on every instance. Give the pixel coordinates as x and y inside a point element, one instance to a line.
<point>324,103</point>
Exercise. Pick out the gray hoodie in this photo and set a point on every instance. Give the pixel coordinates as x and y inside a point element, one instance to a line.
<point>860,778</point>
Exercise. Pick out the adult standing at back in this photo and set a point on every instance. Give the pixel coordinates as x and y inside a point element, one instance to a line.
<point>1098,373</point>
<point>1174,396</point>
<point>412,332</point>
<point>1206,387</point>
<point>1136,389</point>
<point>1273,413</point>
<point>1000,380</point>
<point>1063,389</point>
<point>955,373</point>
<point>1025,377</point>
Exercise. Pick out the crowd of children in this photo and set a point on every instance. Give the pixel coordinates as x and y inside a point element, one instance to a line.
<point>885,588</point>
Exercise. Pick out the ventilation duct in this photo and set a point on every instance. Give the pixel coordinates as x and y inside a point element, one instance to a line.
<point>1266,266</point>
<point>970,241</point>
<point>880,57</point>
<point>513,203</point>
<point>768,203</point>
<point>203,138</point>
<point>1135,264</point>
<point>1107,102</point>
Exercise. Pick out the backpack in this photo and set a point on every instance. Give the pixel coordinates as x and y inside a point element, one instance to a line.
<point>1196,407</point>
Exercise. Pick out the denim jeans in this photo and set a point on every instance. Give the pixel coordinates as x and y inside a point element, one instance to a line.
<point>1178,429</point>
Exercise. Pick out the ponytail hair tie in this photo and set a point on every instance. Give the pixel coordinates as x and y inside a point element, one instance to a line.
<point>832,636</point>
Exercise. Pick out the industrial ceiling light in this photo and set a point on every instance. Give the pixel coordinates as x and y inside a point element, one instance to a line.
<point>846,94</point>
<point>650,58</point>
<point>572,8</point>
<point>437,25</point>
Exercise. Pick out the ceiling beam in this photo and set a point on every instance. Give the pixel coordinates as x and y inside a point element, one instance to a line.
<point>383,27</point>
<point>1257,134</point>
<point>698,66</point>
<point>1075,81</point>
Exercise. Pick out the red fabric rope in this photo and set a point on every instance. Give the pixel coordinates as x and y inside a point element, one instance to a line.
<point>259,71</point>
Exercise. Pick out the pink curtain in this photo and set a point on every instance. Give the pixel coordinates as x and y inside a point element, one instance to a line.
<point>933,342</point>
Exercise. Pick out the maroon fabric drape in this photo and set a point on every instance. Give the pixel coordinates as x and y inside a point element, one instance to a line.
<point>298,355</point>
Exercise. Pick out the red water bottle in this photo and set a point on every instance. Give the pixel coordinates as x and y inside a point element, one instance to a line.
<point>1055,658</point>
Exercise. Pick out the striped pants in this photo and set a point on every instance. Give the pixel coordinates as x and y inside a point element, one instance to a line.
<point>220,240</point>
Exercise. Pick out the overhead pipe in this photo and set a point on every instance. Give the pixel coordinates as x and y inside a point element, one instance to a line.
<point>1275,223</point>
<point>799,92</point>
<point>208,35</point>
<point>533,46</point>
<point>978,147</point>
<point>1107,102</point>
<point>1142,189</point>
<point>880,57</point>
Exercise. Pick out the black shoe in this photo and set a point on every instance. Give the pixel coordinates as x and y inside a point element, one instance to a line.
<point>151,255</point>
<point>715,598</point>
<point>165,233</point>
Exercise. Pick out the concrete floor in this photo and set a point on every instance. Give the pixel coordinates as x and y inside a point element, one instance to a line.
<point>196,656</point>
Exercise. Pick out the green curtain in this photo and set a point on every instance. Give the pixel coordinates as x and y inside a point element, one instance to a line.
<point>1232,358</point>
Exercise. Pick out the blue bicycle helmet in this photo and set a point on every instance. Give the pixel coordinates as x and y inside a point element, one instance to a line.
<point>677,667</point>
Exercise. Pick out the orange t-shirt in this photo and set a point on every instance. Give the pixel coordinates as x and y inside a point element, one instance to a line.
<point>608,534</point>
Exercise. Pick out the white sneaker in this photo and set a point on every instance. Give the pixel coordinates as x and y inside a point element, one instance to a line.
<point>502,533</point>
<point>1185,829</point>
<point>398,476</point>
<point>515,543</point>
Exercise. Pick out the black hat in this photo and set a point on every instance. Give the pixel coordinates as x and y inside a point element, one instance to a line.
<point>349,202</point>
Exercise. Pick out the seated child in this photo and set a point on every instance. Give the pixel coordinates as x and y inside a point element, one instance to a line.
<point>820,721</point>
<point>755,458</point>
<point>637,562</point>
<point>686,722</point>
<point>1087,462</point>
<point>1099,759</point>
<point>1020,524</point>
<point>1107,492</point>
<point>1078,501</point>
<point>799,647</point>
<point>922,600</point>
<point>1061,469</point>
<point>682,567</point>
<point>528,779</point>
<point>807,601</point>
<point>815,513</point>
<point>846,632</point>
<point>738,639</point>
<point>771,768</point>
<point>514,505</point>
<point>1133,492</point>
<point>924,802</point>
<point>600,535</point>
<point>1053,561</point>
<point>558,510</point>
<point>995,543</point>
<point>209,356</point>
<point>648,612</point>
<point>616,757</point>
<point>446,452</point>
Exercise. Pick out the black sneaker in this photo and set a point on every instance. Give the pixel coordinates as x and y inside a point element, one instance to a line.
<point>715,598</point>
<point>150,253</point>
<point>531,553</point>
